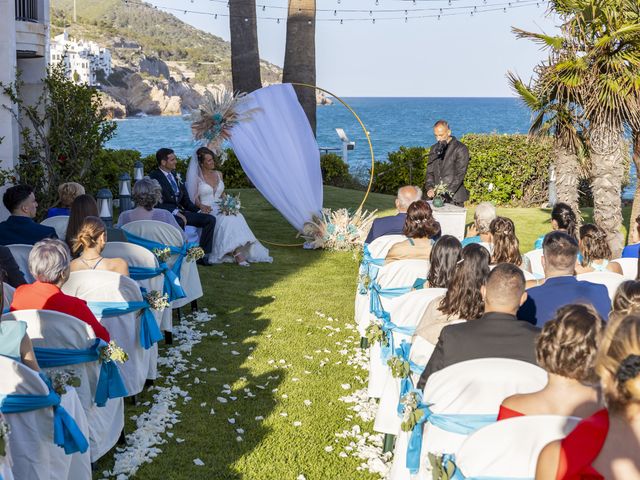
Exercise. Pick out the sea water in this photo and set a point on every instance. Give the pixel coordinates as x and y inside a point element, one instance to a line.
<point>391,123</point>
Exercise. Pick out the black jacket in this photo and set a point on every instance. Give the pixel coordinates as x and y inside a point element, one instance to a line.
<point>169,200</point>
<point>449,169</point>
<point>12,274</point>
<point>498,335</point>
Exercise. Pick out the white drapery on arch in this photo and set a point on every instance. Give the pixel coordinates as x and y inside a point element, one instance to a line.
<point>279,154</point>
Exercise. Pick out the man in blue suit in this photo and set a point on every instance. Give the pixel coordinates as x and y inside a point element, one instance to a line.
<point>393,225</point>
<point>20,227</point>
<point>561,286</point>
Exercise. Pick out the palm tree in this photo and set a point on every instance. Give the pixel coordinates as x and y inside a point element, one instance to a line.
<point>245,57</point>
<point>598,65</point>
<point>633,236</point>
<point>300,54</point>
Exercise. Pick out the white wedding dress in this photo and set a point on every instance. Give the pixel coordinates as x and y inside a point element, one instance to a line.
<point>231,231</point>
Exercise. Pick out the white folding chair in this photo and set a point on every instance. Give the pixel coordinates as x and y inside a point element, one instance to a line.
<point>59,223</point>
<point>51,329</point>
<point>405,311</point>
<point>629,267</point>
<point>535,257</point>
<point>20,252</point>
<point>381,245</point>
<point>105,286</point>
<point>169,235</point>
<point>473,387</point>
<point>609,279</point>
<point>510,448</point>
<point>34,454</point>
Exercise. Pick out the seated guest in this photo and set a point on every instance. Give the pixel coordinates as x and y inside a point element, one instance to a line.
<point>14,340</point>
<point>563,218</point>
<point>463,300</point>
<point>420,227</point>
<point>506,247</point>
<point>146,194</point>
<point>176,200</point>
<point>88,245</point>
<point>633,249</point>
<point>496,334</point>
<point>82,207</point>
<point>479,232</point>
<point>566,349</point>
<point>560,286</point>
<point>49,264</point>
<point>607,444</point>
<point>67,193</point>
<point>20,226</point>
<point>393,225</point>
<point>596,254</point>
<point>12,274</point>
<point>442,261</point>
<point>626,300</point>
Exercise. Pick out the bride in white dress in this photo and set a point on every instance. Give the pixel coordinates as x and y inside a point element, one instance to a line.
<point>232,237</point>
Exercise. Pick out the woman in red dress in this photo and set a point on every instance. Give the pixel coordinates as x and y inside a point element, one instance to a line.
<point>566,348</point>
<point>607,444</point>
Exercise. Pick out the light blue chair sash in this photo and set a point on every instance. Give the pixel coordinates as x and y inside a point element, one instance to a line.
<point>150,245</point>
<point>406,384</point>
<point>66,433</point>
<point>369,267</point>
<point>463,424</point>
<point>172,285</point>
<point>110,384</point>
<point>450,460</point>
<point>149,331</point>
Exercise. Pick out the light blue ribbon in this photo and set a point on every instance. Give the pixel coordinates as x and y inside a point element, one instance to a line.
<point>369,267</point>
<point>463,424</point>
<point>149,331</point>
<point>406,383</point>
<point>110,384</point>
<point>66,433</point>
<point>172,285</point>
<point>150,245</point>
<point>450,459</point>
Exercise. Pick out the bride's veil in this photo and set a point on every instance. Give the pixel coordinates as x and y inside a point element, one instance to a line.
<point>194,176</point>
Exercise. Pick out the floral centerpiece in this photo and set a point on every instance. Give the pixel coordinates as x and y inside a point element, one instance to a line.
<point>113,353</point>
<point>229,204</point>
<point>440,191</point>
<point>61,379</point>
<point>338,230</point>
<point>157,301</point>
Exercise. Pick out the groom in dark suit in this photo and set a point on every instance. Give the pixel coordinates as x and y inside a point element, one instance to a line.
<point>177,201</point>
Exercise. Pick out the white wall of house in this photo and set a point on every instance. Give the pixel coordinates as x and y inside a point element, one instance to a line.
<point>82,59</point>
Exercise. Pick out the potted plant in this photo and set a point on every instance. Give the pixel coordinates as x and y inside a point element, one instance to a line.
<point>440,191</point>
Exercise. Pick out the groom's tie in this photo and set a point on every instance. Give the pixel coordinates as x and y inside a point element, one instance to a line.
<point>174,185</point>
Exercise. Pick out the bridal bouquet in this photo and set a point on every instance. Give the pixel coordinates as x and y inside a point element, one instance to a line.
<point>338,230</point>
<point>113,352</point>
<point>157,301</point>
<point>229,204</point>
<point>61,379</point>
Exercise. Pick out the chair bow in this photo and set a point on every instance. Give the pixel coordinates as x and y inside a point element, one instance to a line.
<point>180,251</point>
<point>172,286</point>
<point>406,383</point>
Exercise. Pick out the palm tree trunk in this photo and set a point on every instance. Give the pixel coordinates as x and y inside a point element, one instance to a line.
<point>635,208</point>
<point>567,171</point>
<point>300,54</point>
<point>245,57</point>
<point>606,153</point>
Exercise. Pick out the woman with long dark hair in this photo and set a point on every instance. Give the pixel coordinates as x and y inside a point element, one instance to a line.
<point>419,227</point>
<point>563,218</point>
<point>506,246</point>
<point>442,261</point>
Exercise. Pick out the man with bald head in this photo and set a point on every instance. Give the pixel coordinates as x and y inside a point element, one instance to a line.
<point>497,334</point>
<point>392,225</point>
<point>448,162</point>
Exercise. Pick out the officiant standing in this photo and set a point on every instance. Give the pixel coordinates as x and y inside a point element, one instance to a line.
<point>448,162</point>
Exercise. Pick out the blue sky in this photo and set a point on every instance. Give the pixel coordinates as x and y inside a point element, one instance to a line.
<point>456,56</point>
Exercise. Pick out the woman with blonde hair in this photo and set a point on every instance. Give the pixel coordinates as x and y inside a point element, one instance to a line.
<point>67,193</point>
<point>88,245</point>
<point>506,247</point>
<point>596,254</point>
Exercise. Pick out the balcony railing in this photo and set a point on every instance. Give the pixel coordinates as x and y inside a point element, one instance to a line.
<point>27,10</point>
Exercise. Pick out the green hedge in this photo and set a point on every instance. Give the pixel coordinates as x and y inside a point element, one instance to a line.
<point>504,169</point>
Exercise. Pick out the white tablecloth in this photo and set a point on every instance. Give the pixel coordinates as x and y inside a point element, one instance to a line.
<point>452,219</point>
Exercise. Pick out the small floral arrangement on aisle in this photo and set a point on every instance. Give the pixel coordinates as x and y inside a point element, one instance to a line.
<point>411,413</point>
<point>338,230</point>
<point>157,301</point>
<point>4,436</point>
<point>194,254</point>
<point>375,334</point>
<point>162,254</point>
<point>229,204</point>
<point>400,368</point>
<point>113,353</point>
<point>439,470</point>
<point>61,379</point>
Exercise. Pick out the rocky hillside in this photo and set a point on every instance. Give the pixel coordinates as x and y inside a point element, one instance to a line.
<point>162,66</point>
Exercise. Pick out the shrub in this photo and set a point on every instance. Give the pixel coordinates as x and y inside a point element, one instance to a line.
<point>335,172</point>
<point>232,173</point>
<point>406,166</point>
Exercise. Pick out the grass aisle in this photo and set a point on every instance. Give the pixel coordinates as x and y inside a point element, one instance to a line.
<point>280,363</point>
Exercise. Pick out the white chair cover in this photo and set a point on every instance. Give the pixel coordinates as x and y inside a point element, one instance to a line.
<point>401,273</point>
<point>405,311</point>
<point>609,279</point>
<point>629,267</point>
<point>164,233</point>
<point>104,286</point>
<point>535,257</point>
<point>510,448</point>
<point>20,253</point>
<point>381,245</point>
<point>59,223</point>
<point>6,462</point>
<point>471,387</point>
<point>7,295</point>
<point>34,455</point>
<point>51,329</point>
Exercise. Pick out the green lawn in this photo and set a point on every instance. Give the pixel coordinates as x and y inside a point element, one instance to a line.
<point>284,353</point>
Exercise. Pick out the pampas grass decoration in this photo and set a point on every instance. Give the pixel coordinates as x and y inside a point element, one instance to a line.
<point>338,230</point>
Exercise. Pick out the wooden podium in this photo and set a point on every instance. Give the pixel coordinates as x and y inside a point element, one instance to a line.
<point>452,219</point>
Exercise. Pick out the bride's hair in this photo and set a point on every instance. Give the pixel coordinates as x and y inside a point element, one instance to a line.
<point>202,151</point>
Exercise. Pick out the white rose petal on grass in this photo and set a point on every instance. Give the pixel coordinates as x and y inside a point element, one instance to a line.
<point>328,448</point>
<point>240,430</point>
<point>234,352</point>
<point>307,403</point>
<point>222,399</point>
<point>238,438</point>
<point>179,440</point>
<point>198,462</point>
<point>345,386</point>
<point>297,424</point>
<point>231,420</point>
<point>301,477</point>
<point>259,418</point>
<point>284,414</point>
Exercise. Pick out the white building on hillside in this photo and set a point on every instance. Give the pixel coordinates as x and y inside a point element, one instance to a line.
<point>82,59</point>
